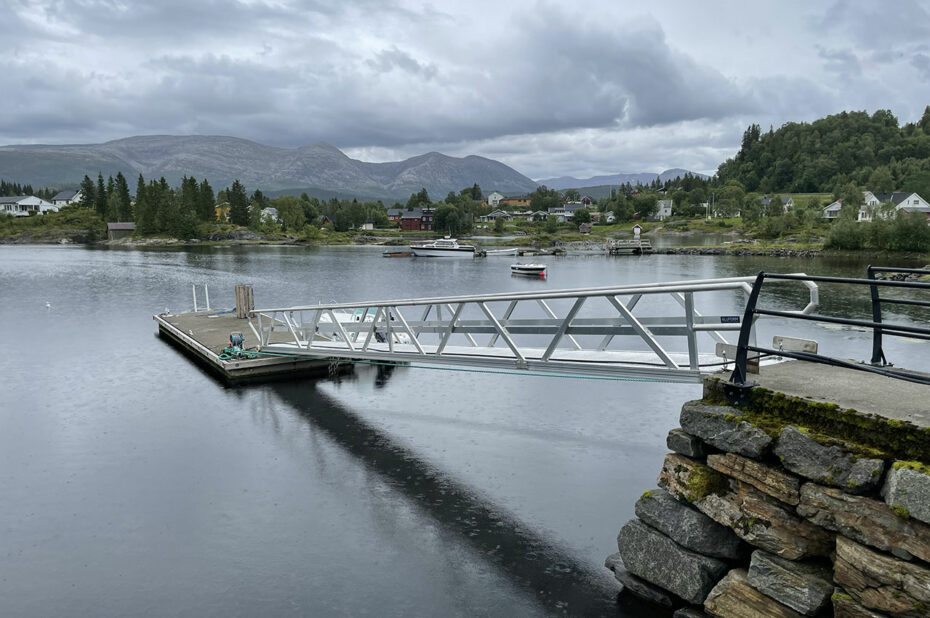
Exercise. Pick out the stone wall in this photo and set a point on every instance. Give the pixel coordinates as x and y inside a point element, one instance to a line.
<point>783,508</point>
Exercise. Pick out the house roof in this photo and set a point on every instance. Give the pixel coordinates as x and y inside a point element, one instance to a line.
<point>395,212</point>
<point>895,198</point>
<point>65,195</point>
<point>784,200</point>
<point>416,213</point>
<point>13,199</point>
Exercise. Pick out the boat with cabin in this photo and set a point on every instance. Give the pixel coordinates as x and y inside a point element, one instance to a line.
<point>443,247</point>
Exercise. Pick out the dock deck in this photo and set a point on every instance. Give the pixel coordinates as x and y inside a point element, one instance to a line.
<point>203,335</point>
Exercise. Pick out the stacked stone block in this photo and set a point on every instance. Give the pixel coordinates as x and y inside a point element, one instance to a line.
<point>759,516</point>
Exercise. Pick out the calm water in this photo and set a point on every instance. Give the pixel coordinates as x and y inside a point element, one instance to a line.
<point>134,483</point>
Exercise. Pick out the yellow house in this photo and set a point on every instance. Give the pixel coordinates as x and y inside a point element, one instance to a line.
<point>222,212</point>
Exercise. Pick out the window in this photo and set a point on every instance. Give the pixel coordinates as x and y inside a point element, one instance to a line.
<point>916,201</point>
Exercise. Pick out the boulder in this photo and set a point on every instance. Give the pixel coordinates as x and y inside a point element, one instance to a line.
<point>881,582</point>
<point>722,427</point>
<point>828,465</point>
<point>757,518</point>
<point>804,587</point>
<point>689,612</point>
<point>908,491</point>
<point>865,520</point>
<point>650,555</point>
<point>637,586</point>
<point>733,597</point>
<point>687,526</point>
<point>778,484</point>
<point>684,443</point>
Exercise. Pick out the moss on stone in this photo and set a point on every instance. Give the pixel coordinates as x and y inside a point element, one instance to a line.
<point>704,481</point>
<point>867,435</point>
<point>916,466</point>
<point>646,494</point>
<point>840,596</point>
<point>900,511</point>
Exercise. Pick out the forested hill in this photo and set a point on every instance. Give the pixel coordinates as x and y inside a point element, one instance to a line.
<point>873,152</point>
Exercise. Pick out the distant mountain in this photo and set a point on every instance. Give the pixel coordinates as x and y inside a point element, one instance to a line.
<point>569,182</point>
<point>319,169</point>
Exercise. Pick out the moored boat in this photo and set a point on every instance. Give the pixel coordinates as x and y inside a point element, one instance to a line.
<point>528,270</point>
<point>443,247</point>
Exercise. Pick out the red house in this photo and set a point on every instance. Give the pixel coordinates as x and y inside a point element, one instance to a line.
<point>417,219</point>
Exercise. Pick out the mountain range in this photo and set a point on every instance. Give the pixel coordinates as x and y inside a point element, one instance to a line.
<point>321,170</point>
<point>569,182</point>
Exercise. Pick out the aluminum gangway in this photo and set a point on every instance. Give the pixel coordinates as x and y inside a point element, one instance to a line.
<point>617,331</point>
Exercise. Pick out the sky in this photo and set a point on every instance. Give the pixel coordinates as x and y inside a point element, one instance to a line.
<point>548,88</point>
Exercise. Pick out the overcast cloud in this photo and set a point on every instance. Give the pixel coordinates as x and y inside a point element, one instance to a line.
<point>548,88</point>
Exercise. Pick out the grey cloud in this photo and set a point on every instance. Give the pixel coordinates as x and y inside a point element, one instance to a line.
<point>921,62</point>
<point>843,62</point>
<point>390,59</point>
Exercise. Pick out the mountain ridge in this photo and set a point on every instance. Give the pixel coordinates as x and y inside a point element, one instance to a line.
<point>644,178</point>
<point>320,167</point>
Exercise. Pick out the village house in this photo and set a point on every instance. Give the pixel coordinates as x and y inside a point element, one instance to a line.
<point>420,219</point>
<point>522,200</point>
<point>494,199</point>
<point>663,210</point>
<point>394,214</point>
<point>67,197</point>
<point>906,202</point>
<point>787,203</point>
<point>21,205</point>
<point>221,211</point>
<point>117,230</point>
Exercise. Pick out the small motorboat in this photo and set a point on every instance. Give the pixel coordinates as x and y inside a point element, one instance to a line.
<point>529,270</point>
<point>495,252</point>
<point>444,247</point>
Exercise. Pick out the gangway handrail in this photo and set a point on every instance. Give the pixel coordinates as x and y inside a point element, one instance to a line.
<point>576,341</point>
<point>878,363</point>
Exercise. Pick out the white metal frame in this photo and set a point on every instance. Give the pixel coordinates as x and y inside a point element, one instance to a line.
<point>569,332</point>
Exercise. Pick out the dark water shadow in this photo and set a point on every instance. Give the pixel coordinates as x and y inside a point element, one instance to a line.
<point>559,582</point>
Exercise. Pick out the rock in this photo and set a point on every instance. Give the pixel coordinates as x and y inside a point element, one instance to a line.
<point>755,517</point>
<point>845,607</point>
<point>684,443</point>
<point>804,587</point>
<point>652,556</point>
<point>865,520</point>
<point>687,526</point>
<point>690,479</point>
<point>733,597</point>
<point>722,427</point>
<point>827,465</point>
<point>908,491</point>
<point>637,586</point>
<point>881,582</point>
<point>775,483</point>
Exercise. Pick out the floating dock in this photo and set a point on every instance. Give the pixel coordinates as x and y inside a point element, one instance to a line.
<point>203,335</point>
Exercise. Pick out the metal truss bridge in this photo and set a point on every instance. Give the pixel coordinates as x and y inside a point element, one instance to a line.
<point>647,331</point>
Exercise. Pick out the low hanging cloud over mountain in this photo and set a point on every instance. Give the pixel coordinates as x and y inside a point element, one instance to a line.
<point>548,89</point>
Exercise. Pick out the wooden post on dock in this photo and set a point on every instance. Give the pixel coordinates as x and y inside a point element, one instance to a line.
<point>245,302</point>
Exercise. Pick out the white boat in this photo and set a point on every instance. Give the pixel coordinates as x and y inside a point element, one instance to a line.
<point>490,252</point>
<point>444,247</point>
<point>326,331</point>
<point>529,270</point>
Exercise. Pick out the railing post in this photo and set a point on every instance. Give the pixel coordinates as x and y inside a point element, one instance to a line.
<point>878,356</point>
<point>742,347</point>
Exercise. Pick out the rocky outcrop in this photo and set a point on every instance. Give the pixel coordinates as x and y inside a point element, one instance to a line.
<point>723,428</point>
<point>845,607</point>
<point>685,444</point>
<point>881,582</point>
<point>828,465</point>
<point>865,520</point>
<point>652,556</point>
<point>907,491</point>
<point>687,526</point>
<point>768,480</point>
<point>733,597</point>
<point>805,588</point>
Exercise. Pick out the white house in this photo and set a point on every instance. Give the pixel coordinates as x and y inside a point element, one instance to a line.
<point>787,203</point>
<point>832,211</point>
<point>494,199</point>
<point>663,210</point>
<point>906,202</point>
<point>20,205</point>
<point>270,214</point>
<point>70,196</point>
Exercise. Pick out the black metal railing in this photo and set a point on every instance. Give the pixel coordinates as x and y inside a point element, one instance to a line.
<point>879,327</point>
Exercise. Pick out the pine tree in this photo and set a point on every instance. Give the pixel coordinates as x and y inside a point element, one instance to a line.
<point>238,204</point>
<point>88,193</point>
<point>206,202</point>
<point>124,200</point>
<point>100,197</point>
